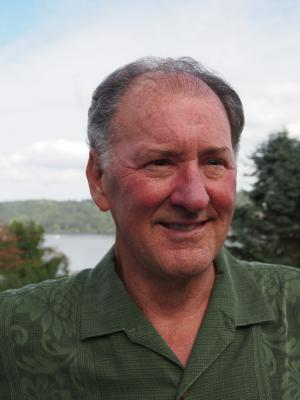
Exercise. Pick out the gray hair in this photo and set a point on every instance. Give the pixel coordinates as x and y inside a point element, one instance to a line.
<point>107,97</point>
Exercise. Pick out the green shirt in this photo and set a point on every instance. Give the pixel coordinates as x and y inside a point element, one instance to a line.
<point>84,338</point>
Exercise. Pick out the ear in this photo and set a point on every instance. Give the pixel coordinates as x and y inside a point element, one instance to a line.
<point>95,177</point>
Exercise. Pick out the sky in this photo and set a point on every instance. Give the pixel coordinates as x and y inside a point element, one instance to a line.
<point>54,53</point>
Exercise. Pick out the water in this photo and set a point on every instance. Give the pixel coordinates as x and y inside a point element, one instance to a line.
<point>83,251</point>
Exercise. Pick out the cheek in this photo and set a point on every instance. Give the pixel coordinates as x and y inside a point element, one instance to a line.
<point>222,194</point>
<point>146,193</point>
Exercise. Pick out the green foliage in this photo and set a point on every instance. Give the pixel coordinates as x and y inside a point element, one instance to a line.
<point>24,259</point>
<point>267,227</point>
<point>59,216</point>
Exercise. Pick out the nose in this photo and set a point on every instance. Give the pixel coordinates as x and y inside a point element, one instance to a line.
<point>189,189</point>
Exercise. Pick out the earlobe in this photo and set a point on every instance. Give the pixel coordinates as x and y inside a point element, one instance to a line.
<point>95,177</point>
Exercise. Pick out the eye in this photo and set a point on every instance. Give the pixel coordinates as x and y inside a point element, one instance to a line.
<point>160,162</point>
<point>216,161</point>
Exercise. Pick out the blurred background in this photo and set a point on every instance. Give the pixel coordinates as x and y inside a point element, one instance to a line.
<point>54,53</point>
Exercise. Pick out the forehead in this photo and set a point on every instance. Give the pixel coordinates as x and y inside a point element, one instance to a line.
<point>162,106</point>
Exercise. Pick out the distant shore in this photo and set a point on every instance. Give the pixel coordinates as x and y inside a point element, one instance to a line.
<point>59,217</point>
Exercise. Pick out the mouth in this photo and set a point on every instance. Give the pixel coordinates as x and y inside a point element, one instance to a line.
<point>183,227</point>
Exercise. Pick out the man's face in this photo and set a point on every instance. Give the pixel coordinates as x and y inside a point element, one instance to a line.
<point>171,182</point>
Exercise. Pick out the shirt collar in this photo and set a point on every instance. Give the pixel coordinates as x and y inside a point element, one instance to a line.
<point>107,307</point>
<point>237,294</point>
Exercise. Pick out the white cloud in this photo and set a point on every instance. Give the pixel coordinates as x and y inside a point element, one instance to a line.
<point>59,154</point>
<point>45,169</point>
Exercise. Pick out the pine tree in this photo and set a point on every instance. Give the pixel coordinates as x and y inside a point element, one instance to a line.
<point>267,228</point>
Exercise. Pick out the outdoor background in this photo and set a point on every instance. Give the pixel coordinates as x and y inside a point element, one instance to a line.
<point>53,53</point>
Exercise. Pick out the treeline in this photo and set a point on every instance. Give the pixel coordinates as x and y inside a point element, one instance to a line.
<point>58,216</point>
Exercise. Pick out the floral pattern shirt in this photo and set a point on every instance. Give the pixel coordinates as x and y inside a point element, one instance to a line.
<point>83,337</point>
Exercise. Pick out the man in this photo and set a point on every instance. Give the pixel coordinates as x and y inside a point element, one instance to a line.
<point>168,313</point>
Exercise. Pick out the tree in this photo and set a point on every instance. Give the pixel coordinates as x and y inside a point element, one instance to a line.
<point>10,254</point>
<point>24,259</point>
<point>267,227</point>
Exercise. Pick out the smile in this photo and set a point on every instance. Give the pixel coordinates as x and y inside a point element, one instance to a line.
<point>183,227</point>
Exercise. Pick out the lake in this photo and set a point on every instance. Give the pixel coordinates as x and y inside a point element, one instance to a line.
<point>82,250</point>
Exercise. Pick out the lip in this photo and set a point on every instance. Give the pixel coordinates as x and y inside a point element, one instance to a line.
<point>184,229</point>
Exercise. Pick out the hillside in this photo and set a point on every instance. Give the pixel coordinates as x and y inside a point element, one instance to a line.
<point>59,216</point>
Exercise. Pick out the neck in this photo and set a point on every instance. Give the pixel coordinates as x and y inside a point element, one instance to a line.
<point>175,307</point>
<point>174,304</point>
<point>167,297</point>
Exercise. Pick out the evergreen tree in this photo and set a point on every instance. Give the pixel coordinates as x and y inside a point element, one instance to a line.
<point>267,227</point>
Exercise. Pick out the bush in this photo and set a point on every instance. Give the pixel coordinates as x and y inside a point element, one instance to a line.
<point>24,259</point>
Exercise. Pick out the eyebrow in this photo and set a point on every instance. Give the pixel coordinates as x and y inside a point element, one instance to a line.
<point>209,150</point>
<point>165,153</point>
<point>158,152</point>
<point>215,150</point>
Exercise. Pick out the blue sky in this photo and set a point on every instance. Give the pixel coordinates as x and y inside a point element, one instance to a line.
<point>54,53</point>
<point>19,18</point>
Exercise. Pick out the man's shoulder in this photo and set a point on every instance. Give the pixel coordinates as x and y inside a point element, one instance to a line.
<point>280,285</point>
<point>35,301</point>
<point>266,268</point>
<point>39,333</point>
<point>260,269</point>
<point>276,281</point>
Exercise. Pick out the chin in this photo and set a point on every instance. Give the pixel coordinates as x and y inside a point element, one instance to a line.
<point>186,264</point>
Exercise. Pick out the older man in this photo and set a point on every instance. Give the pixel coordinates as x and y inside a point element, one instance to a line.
<point>167,314</point>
